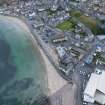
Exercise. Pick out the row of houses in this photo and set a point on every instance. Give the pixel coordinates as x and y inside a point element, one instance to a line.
<point>53,21</point>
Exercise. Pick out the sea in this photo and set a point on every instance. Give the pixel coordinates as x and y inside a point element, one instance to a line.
<point>23,78</point>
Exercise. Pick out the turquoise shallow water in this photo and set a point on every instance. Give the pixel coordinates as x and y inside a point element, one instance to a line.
<point>22,72</point>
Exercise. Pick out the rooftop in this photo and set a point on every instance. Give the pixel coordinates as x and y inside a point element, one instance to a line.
<point>96,88</point>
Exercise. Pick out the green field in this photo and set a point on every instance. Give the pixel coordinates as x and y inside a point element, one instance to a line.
<point>67,25</point>
<point>88,21</point>
<point>75,13</point>
<point>91,23</point>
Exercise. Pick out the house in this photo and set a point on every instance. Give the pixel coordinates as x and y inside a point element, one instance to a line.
<point>95,89</point>
<point>101,17</point>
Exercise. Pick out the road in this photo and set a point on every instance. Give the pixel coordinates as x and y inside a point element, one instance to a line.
<point>76,80</point>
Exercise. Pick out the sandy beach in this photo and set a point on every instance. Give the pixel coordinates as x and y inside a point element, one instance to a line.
<point>55,81</point>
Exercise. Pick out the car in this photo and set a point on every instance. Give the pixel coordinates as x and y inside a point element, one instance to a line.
<point>86,14</point>
<point>98,71</point>
<point>83,64</point>
<point>80,72</point>
<point>83,73</point>
<point>89,75</point>
<point>85,103</point>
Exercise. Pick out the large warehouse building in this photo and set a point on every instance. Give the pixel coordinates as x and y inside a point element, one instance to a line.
<point>95,89</point>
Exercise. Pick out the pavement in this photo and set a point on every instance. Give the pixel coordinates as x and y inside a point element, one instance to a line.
<point>77,81</point>
<point>65,96</point>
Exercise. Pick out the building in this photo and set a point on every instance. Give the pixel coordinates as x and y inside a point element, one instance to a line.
<point>54,5</point>
<point>95,89</point>
<point>61,52</point>
<point>88,59</point>
<point>58,38</point>
<point>101,37</point>
<point>101,17</point>
<point>77,52</point>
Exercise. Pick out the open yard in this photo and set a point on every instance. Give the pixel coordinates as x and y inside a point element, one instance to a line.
<point>67,25</point>
<point>75,13</point>
<point>90,22</point>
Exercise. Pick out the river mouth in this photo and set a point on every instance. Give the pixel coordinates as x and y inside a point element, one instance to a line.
<point>22,70</point>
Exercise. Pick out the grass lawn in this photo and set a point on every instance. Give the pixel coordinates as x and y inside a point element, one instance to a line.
<point>88,21</point>
<point>67,25</point>
<point>75,13</point>
<point>91,23</point>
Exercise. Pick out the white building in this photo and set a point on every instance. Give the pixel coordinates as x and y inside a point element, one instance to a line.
<point>61,52</point>
<point>101,37</point>
<point>95,89</point>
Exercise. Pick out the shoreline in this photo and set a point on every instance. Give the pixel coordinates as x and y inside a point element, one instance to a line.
<point>55,81</point>
<point>58,87</point>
